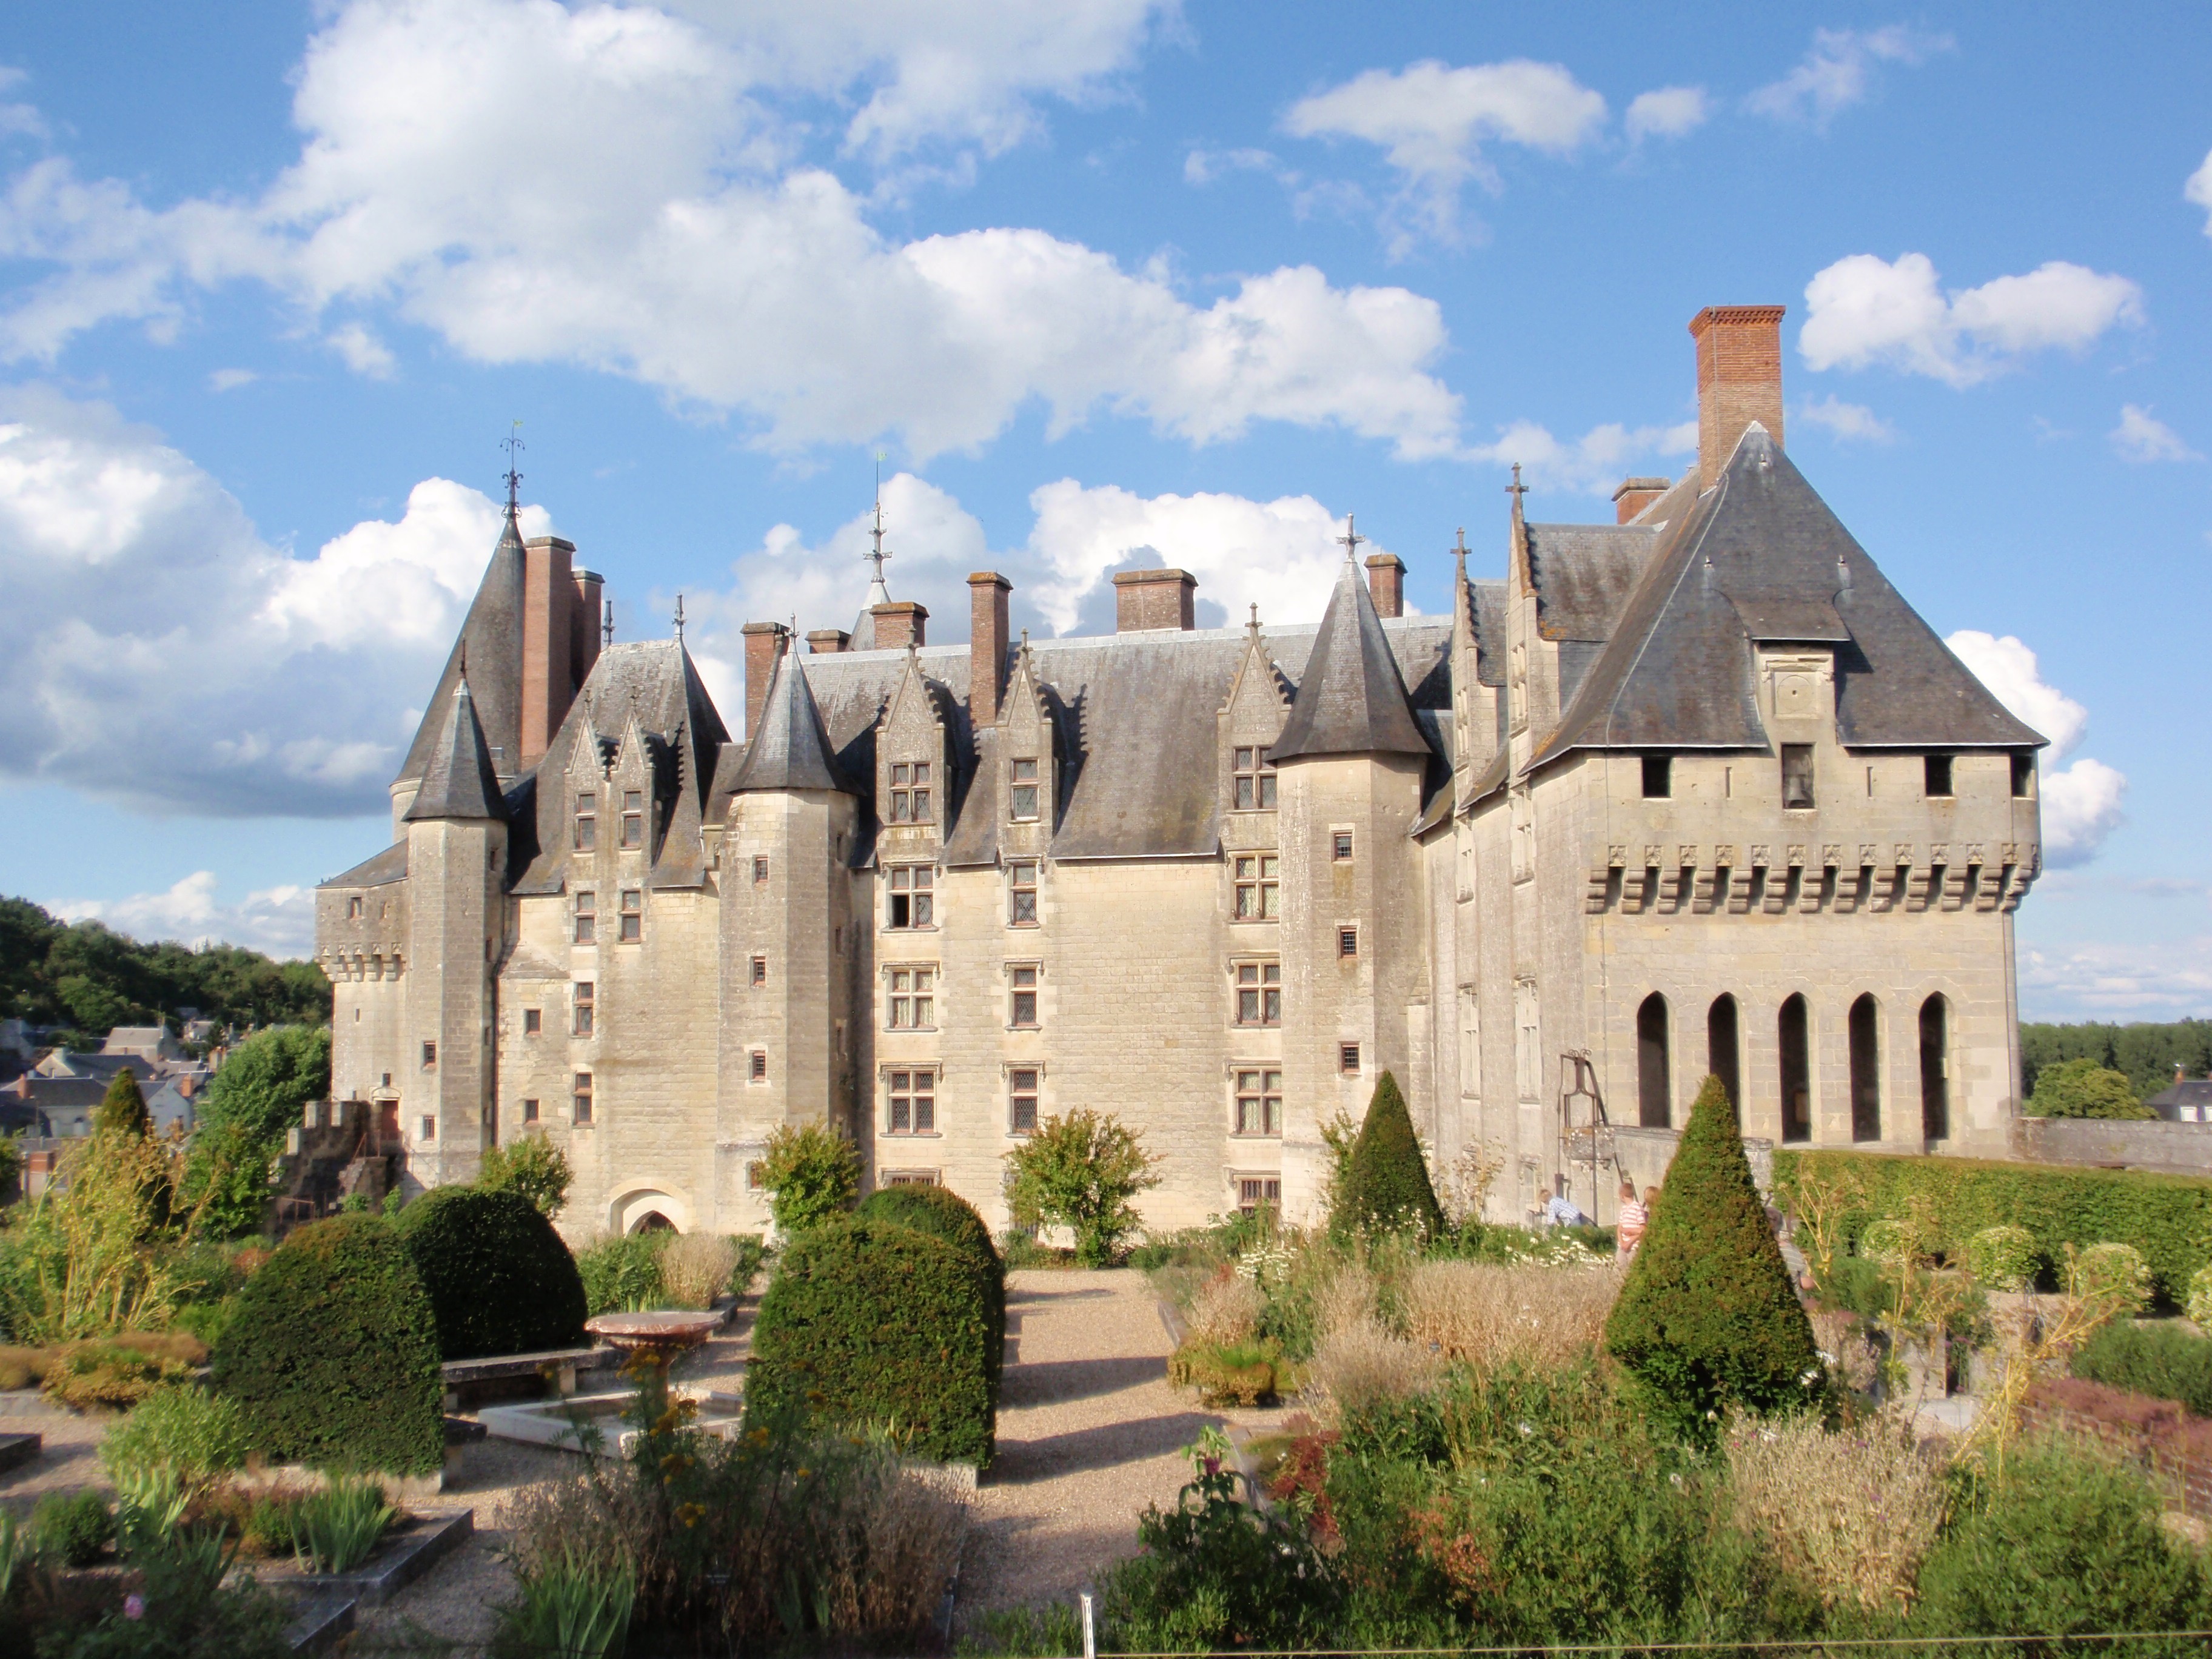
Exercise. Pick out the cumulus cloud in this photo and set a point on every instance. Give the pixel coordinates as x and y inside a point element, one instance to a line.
<point>2140,979</point>
<point>1863,311</point>
<point>2140,436</point>
<point>363,352</point>
<point>1667,112</point>
<point>1433,120</point>
<point>157,651</point>
<point>1839,72</point>
<point>1848,422</point>
<point>2081,805</point>
<point>1592,465</point>
<point>17,120</point>
<point>2198,189</point>
<point>668,226</point>
<point>278,920</point>
<point>229,379</point>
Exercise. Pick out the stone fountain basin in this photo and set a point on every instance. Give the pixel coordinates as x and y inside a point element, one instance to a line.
<point>572,1424</point>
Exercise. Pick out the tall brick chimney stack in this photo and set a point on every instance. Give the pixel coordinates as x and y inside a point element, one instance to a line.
<point>986,644</point>
<point>1637,493</point>
<point>900,624</point>
<point>1386,584</point>
<point>1154,598</point>
<point>1739,379</point>
<point>549,597</point>
<point>763,645</point>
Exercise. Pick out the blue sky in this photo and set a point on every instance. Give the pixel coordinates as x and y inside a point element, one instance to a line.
<point>1099,280</point>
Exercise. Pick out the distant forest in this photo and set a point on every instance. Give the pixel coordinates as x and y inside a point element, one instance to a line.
<point>87,979</point>
<point>2147,1054</point>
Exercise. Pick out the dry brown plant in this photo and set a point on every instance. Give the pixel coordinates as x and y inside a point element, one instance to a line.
<point>1346,1296</point>
<point>1842,1340</point>
<point>1464,1188</point>
<point>1853,1512</point>
<point>1225,1309</point>
<point>696,1268</point>
<point>1820,1204</point>
<point>1486,1314</point>
<point>1359,1363</point>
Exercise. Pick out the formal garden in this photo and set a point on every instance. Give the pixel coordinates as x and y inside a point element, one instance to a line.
<point>1431,1433</point>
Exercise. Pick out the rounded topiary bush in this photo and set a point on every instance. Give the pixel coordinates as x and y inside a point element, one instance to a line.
<point>1386,1186</point>
<point>500,1279</point>
<point>332,1355</point>
<point>946,1215</point>
<point>867,1321</point>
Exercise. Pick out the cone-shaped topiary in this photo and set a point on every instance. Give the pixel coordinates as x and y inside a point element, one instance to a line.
<point>943,1213</point>
<point>123,1108</point>
<point>499,1277</point>
<point>1708,1318</point>
<point>1386,1186</point>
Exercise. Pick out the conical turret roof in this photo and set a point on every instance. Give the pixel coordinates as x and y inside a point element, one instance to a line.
<point>458,780</point>
<point>490,645</point>
<point>792,750</point>
<point>1352,699</point>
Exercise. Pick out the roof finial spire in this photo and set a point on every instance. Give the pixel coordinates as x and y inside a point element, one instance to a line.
<point>464,657</point>
<point>607,627</point>
<point>1351,538</point>
<point>679,615</point>
<point>877,593</point>
<point>1253,626</point>
<point>1516,488</point>
<point>1458,551</point>
<point>514,447</point>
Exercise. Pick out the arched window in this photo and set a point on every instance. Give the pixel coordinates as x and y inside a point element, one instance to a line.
<point>1866,1070</point>
<point>1722,1048</point>
<point>1796,1071</point>
<point>1651,1067</point>
<point>1936,1069</point>
<point>653,1222</point>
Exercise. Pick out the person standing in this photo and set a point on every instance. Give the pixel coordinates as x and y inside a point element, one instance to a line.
<point>1628,1231</point>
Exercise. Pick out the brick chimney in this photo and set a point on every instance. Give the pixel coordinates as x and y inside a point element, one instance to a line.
<point>1153,598</point>
<point>827,641</point>
<point>1739,379</point>
<point>986,644</point>
<point>549,667</point>
<point>1386,584</point>
<point>899,624</point>
<point>1637,493</point>
<point>763,645</point>
<point>584,627</point>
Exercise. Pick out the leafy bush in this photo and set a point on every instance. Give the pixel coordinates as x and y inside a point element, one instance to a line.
<point>500,1279</point>
<point>109,1376</point>
<point>1385,1187</point>
<point>1708,1318</point>
<point>811,1173</point>
<point>2067,1544</point>
<point>1246,1373</point>
<point>250,1103</point>
<point>1081,1171</point>
<point>869,1323</point>
<point>621,1274</point>
<point>532,1166</point>
<point>76,1530</point>
<point>183,1431</point>
<point>2083,1088</point>
<point>2003,1258</point>
<point>945,1214</point>
<point>333,1357</point>
<point>91,1256</point>
<point>2159,1359</point>
<point>187,1605</point>
<point>2167,1218</point>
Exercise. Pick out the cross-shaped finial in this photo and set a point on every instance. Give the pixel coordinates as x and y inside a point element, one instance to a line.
<point>1516,488</point>
<point>1351,538</point>
<point>679,616</point>
<point>1254,625</point>
<point>514,447</point>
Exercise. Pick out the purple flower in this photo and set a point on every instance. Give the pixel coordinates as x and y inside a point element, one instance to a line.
<point>134,1606</point>
<point>1213,1466</point>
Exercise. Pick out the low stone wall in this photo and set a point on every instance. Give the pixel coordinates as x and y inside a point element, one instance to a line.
<point>2159,1146</point>
<point>2172,1448</point>
<point>1644,1154</point>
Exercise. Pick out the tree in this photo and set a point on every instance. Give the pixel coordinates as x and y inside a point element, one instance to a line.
<point>1385,1188</point>
<point>123,1108</point>
<point>811,1173</point>
<point>1081,1172</point>
<point>1708,1318</point>
<point>2083,1088</point>
<point>257,1095</point>
<point>532,1166</point>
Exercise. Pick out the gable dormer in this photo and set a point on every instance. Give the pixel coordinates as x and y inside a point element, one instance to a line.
<point>1251,721</point>
<point>633,813</point>
<point>1027,761</point>
<point>913,787</point>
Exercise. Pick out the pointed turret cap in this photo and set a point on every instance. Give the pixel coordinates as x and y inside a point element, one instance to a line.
<point>792,750</point>
<point>490,644</point>
<point>458,778</point>
<point>1352,698</point>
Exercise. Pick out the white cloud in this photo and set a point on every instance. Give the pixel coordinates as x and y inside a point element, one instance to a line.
<point>2081,805</point>
<point>1848,422</point>
<point>1433,120</point>
<point>2140,979</point>
<point>18,120</point>
<point>2140,436</point>
<point>365,355</point>
<point>156,651</point>
<point>1863,310</point>
<point>1203,166</point>
<point>1667,112</point>
<point>229,379</point>
<point>1839,71</point>
<point>278,921</point>
<point>661,229</point>
<point>1592,465</point>
<point>2198,189</point>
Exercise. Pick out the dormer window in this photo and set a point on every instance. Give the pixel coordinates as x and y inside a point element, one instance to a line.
<point>633,818</point>
<point>587,822</point>
<point>1255,780</point>
<point>911,789</point>
<point>1023,799</point>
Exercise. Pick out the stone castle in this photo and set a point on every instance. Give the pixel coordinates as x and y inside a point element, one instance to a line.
<point>1697,792</point>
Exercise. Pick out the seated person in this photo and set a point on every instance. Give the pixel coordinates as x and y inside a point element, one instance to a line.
<point>1559,1211</point>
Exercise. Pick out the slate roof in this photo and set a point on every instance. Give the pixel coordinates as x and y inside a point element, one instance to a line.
<point>458,781</point>
<point>389,865</point>
<point>1761,550</point>
<point>792,750</point>
<point>1584,575</point>
<point>1352,699</point>
<point>2195,1093</point>
<point>491,639</point>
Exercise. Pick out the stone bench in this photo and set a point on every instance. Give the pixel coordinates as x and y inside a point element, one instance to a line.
<point>559,1365</point>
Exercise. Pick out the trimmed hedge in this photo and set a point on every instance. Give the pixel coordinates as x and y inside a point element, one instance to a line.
<point>1386,1183</point>
<point>2167,1218</point>
<point>2159,1360</point>
<point>945,1214</point>
<point>500,1279</point>
<point>868,1321</point>
<point>1708,1318</point>
<point>332,1357</point>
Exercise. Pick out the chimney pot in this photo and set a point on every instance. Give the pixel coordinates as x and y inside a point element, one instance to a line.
<point>1153,598</point>
<point>899,624</point>
<point>986,644</point>
<point>763,645</point>
<point>1738,380</point>
<point>1386,584</point>
<point>1637,493</point>
<point>827,641</point>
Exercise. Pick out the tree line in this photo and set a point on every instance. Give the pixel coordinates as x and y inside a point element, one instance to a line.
<point>2145,1054</point>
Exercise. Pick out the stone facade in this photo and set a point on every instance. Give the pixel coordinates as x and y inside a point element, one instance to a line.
<point>1695,792</point>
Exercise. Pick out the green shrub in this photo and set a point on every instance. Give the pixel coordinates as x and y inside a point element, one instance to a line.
<point>946,1215</point>
<point>869,1323</point>
<point>190,1605</point>
<point>122,1109</point>
<point>500,1279</point>
<point>335,1530</point>
<point>1385,1188</point>
<point>1081,1171</point>
<point>621,1274</point>
<point>1708,1317</point>
<point>250,1103</point>
<point>752,1255</point>
<point>2167,1218</point>
<point>181,1428</point>
<point>1228,1373</point>
<point>532,1166</point>
<point>74,1530</point>
<point>569,1606</point>
<point>2083,1088</point>
<point>109,1376</point>
<point>2159,1360</point>
<point>333,1357</point>
<point>812,1172</point>
<point>2069,1544</point>
<point>2003,1258</point>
